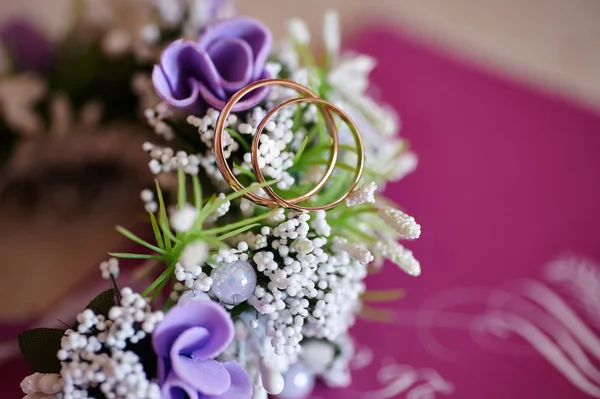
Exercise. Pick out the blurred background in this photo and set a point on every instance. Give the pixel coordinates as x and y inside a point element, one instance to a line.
<point>501,102</point>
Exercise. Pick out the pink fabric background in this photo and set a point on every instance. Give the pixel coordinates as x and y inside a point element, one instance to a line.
<point>507,181</point>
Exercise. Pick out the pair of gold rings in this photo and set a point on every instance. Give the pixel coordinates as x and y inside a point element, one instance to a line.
<point>275,200</point>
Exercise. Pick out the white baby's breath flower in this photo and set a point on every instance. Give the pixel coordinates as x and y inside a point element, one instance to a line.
<point>366,193</point>
<point>183,219</point>
<point>298,31</point>
<point>400,256</point>
<point>404,224</point>
<point>331,32</point>
<point>193,254</point>
<point>351,75</point>
<point>110,268</point>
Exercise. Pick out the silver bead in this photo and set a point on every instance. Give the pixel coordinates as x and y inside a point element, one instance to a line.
<point>233,283</point>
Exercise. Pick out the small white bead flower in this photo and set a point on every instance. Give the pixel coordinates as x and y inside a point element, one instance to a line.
<point>366,193</point>
<point>404,224</point>
<point>183,219</point>
<point>194,254</point>
<point>110,268</point>
<point>95,356</point>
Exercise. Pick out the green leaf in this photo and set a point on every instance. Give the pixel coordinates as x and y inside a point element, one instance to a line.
<point>197,193</point>
<point>133,256</point>
<point>165,275</point>
<point>157,234</point>
<point>206,210</point>
<point>239,309</point>
<point>181,194</point>
<point>39,348</point>
<point>245,171</point>
<point>103,302</point>
<point>239,139</point>
<point>301,149</point>
<point>163,219</point>
<point>237,231</point>
<point>138,240</point>
<point>245,191</point>
<point>158,289</point>
<point>241,223</point>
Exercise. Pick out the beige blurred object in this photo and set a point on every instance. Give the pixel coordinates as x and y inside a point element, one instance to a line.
<point>60,200</point>
<point>552,44</point>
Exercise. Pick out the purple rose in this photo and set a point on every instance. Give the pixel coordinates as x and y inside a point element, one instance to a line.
<point>186,342</point>
<point>229,55</point>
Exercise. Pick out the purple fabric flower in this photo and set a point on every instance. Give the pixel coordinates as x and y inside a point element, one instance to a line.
<point>186,342</point>
<point>229,55</point>
<point>30,50</point>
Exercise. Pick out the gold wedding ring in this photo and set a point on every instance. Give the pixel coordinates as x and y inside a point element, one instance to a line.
<point>274,199</point>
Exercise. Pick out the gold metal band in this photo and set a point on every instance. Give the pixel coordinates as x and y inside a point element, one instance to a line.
<point>274,199</point>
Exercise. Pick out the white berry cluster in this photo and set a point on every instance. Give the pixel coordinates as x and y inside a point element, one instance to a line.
<point>110,268</point>
<point>95,356</point>
<point>274,158</point>
<point>340,285</point>
<point>206,129</point>
<point>288,261</point>
<point>188,271</point>
<point>156,119</point>
<point>150,205</point>
<point>274,154</point>
<point>221,210</point>
<point>165,159</point>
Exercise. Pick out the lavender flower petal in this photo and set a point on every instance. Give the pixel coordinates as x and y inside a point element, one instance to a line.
<point>174,388</point>
<point>229,55</point>
<point>233,60</point>
<point>189,315</point>
<point>250,100</point>
<point>206,376</point>
<point>241,386</point>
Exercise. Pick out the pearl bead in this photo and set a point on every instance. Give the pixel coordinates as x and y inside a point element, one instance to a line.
<point>299,382</point>
<point>233,283</point>
<point>192,295</point>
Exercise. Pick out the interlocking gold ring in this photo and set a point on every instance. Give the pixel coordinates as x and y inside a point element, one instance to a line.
<point>274,199</point>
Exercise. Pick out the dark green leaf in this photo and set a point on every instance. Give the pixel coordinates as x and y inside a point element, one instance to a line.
<point>39,348</point>
<point>239,309</point>
<point>103,302</point>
